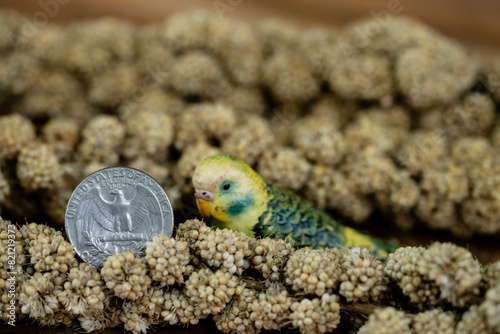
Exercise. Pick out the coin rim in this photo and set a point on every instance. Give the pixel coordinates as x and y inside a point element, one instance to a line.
<point>66,224</point>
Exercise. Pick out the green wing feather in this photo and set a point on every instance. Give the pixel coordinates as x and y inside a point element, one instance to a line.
<point>290,217</point>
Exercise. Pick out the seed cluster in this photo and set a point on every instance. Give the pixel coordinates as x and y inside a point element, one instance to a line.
<point>62,134</point>
<point>134,321</point>
<point>271,256</point>
<point>454,270</point>
<point>96,321</point>
<point>150,133</point>
<point>362,276</point>
<point>284,167</point>
<point>167,260</point>
<point>273,287</point>
<point>5,189</point>
<point>314,271</point>
<point>12,243</point>
<point>38,168</point>
<point>212,291</point>
<point>126,275</point>
<point>433,322</point>
<point>226,250</point>
<point>16,131</point>
<point>38,298</point>
<point>442,271</point>
<point>472,321</point>
<point>250,141</point>
<point>178,308</point>
<point>386,320</point>
<point>83,290</point>
<point>51,252</point>
<point>319,315</point>
<point>491,274</point>
<point>393,125</point>
<point>101,138</point>
<point>236,317</point>
<point>271,309</point>
<point>402,266</point>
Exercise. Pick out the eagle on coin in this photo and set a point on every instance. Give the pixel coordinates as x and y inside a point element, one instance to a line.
<point>119,215</point>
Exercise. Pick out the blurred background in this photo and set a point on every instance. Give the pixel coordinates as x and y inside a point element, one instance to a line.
<point>476,24</point>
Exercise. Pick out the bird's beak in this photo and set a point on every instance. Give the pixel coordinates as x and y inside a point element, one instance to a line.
<point>203,199</point>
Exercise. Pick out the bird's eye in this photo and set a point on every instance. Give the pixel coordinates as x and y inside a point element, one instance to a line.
<point>226,186</point>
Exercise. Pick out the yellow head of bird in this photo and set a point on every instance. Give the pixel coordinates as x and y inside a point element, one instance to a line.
<point>223,186</point>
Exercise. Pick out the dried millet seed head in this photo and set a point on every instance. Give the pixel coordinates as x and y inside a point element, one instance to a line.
<point>31,231</point>
<point>101,138</point>
<point>318,188</point>
<point>167,260</point>
<point>207,120</point>
<point>319,140</point>
<point>314,271</point>
<point>387,320</point>
<point>383,128</point>
<point>19,62</point>
<point>62,134</point>
<point>51,252</point>
<point>108,87</point>
<point>11,238</point>
<point>133,319</point>
<point>192,231</point>
<point>490,307</point>
<point>289,78</point>
<point>211,291</point>
<point>226,250</point>
<point>434,321</point>
<point>402,267</point>
<point>83,291</point>
<point>473,115</point>
<point>149,133</point>
<point>97,320</point>
<point>270,257</point>
<point>37,297</point>
<point>38,167</point>
<point>16,132</point>
<point>178,308</point>
<point>251,140</point>
<point>199,73</point>
<point>492,74</point>
<point>5,189</point>
<point>362,276</point>
<point>454,270</point>
<point>472,321</point>
<point>491,274</point>
<point>285,167</point>
<point>236,317</point>
<point>271,309</point>
<point>126,275</point>
<point>319,315</point>
<point>422,150</point>
<point>435,76</point>
<point>366,76</point>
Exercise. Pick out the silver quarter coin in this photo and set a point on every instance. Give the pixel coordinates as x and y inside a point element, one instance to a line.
<point>114,210</point>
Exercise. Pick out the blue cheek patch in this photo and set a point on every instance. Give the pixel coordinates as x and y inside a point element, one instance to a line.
<point>238,207</point>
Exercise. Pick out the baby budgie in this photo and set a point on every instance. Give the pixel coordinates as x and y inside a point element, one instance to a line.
<point>234,196</point>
